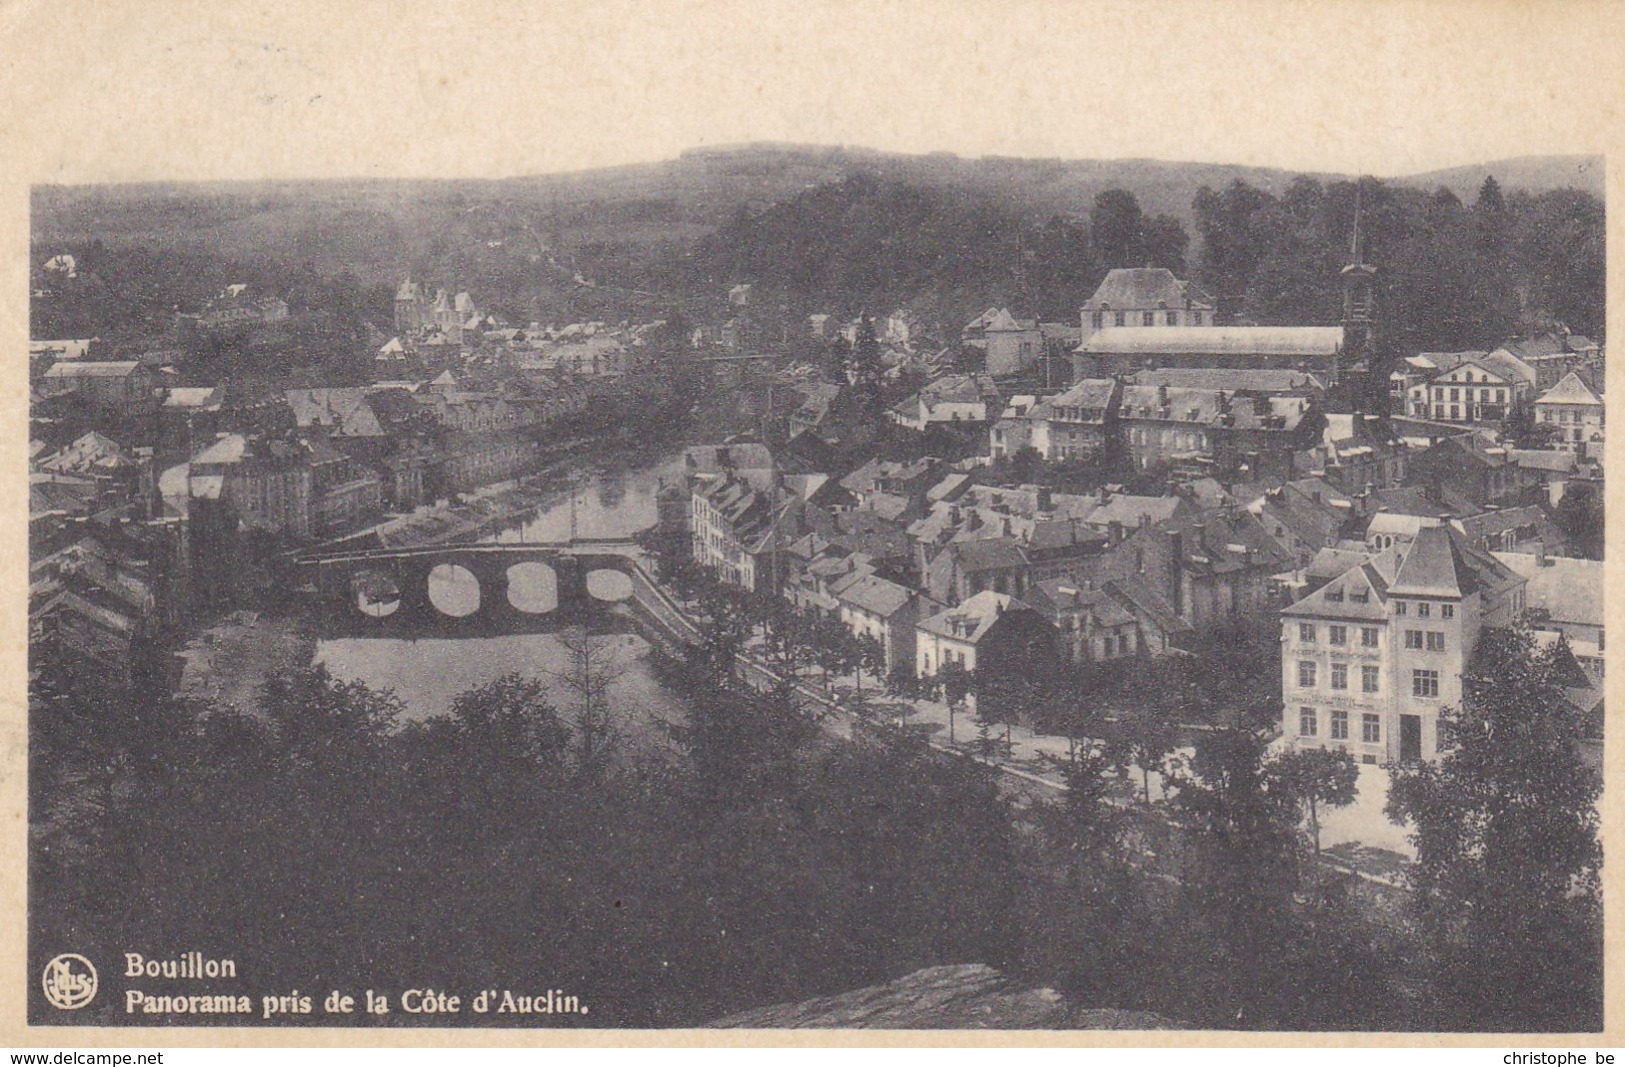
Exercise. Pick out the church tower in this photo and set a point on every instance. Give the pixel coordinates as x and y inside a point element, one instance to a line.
<point>1360,362</point>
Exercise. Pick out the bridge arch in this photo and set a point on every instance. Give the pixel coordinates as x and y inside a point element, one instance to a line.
<point>375,592</point>
<point>533,587</point>
<point>453,589</point>
<point>609,584</point>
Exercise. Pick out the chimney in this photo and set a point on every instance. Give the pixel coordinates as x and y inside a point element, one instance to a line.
<point>1046,499</point>
<point>1176,550</point>
<point>1162,395</point>
<point>1114,532</point>
<point>1540,554</point>
<point>1004,526</point>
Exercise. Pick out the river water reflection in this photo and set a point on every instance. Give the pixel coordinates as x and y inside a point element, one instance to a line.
<point>428,674</point>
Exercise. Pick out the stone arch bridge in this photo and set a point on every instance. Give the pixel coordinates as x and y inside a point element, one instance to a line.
<point>473,589</point>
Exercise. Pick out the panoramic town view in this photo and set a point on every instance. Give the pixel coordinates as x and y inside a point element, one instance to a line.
<point>810,587</point>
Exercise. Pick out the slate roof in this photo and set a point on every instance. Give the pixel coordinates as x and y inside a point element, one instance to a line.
<point>83,369</point>
<point>1543,459</point>
<point>344,411</point>
<point>1570,390</point>
<point>1139,288</point>
<point>1231,379</point>
<point>1216,340</point>
<point>1361,592</point>
<point>1442,562</point>
<point>876,595</point>
<point>978,614</point>
<point>1570,590</point>
<point>1055,595</point>
<point>991,553</point>
<point>1141,598</point>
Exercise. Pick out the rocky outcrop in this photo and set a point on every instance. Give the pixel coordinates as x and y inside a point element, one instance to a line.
<point>970,996</point>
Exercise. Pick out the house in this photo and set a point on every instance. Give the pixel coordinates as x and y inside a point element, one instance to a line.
<point>1477,389</point>
<point>340,413</point>
<point>1015,426</point>
<point>1144,296</point>
<point>1010,345</point>
<point>124,386</point>
<point>1575,409</point>
<point>1552,469</point>
<point>871,606</point>
<point>1370,658</point>
<point>991,634</point>
<point>1467,468</point>
<point>1118,350</point>
<point>1079,423</point>
<point>1549,356</point>
<point>266,482</point>
<point>1100,622</point>
<point>1355,453</point>
<point>1209,566</point>
<point>1565,596</point>
<point>952,400</point>
<point>1304,516</point>
<point>1200,431</point>
<point>739,531</point>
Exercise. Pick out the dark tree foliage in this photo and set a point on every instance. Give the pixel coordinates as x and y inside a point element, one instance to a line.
<point>1452,278</point>
<point>1505,825</point>
<point>1579,514</point>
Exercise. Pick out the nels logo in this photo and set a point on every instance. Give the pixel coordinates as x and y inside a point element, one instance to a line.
<point>70,981</point>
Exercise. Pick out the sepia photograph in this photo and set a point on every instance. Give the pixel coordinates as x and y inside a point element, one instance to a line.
<point>850,582</point>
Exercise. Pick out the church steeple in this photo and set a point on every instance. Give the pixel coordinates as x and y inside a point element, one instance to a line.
<point>1359,281</point>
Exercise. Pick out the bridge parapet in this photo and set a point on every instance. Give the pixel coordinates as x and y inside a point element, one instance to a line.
<point>484,587</point>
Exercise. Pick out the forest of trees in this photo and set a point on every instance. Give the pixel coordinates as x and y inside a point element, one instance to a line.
<point>507,843</point>
<point>1454,275</point>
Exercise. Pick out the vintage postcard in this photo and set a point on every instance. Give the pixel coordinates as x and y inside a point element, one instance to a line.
<point>588,524</point>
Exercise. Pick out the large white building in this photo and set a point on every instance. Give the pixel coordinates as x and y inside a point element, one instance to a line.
<point>1369,659</point>
<point>1574,409</point>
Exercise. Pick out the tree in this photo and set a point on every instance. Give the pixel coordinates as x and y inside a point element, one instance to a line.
<point>592,669</point>
<point>510,720</point>
<point>1507,857</point>
<point>1579,514</point>
<point>1143,739</point>
<point>956,684</point>
<point>1316,777</point>
<point>864,369</point>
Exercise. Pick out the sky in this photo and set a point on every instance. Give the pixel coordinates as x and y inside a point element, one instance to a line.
<point>189,90</point>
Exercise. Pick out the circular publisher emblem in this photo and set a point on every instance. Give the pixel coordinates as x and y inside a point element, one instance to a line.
<point>70,981</point>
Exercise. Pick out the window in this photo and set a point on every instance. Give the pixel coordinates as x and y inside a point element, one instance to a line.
<point>1435,641</point>
<point>1447,611</point>
<point>1368,637</point>
<point>1306,674</point>
<point>1455,394</point>
<point>1423,610</point>
<point>1340,676</point>
<point>1172,317</point>
<point>1400,607</point>
<point>1370,728</point>
<point>1368,679</point>
<point>1121,318</point>
<point>1098,320</point>
<point>1340,725</point>
<point>1413,638</point>
<point>1196,318</point>
<point>1148,318</point>
<point>1308,722</point>
<point>1423,683</point>
<point>1122,644</point>
<point>1306,632</point>
<point>1338,635</point>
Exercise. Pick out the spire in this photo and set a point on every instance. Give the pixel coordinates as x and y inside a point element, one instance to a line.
<point>1354,239</point>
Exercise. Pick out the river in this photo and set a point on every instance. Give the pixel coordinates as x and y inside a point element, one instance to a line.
<point>427,674</point>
